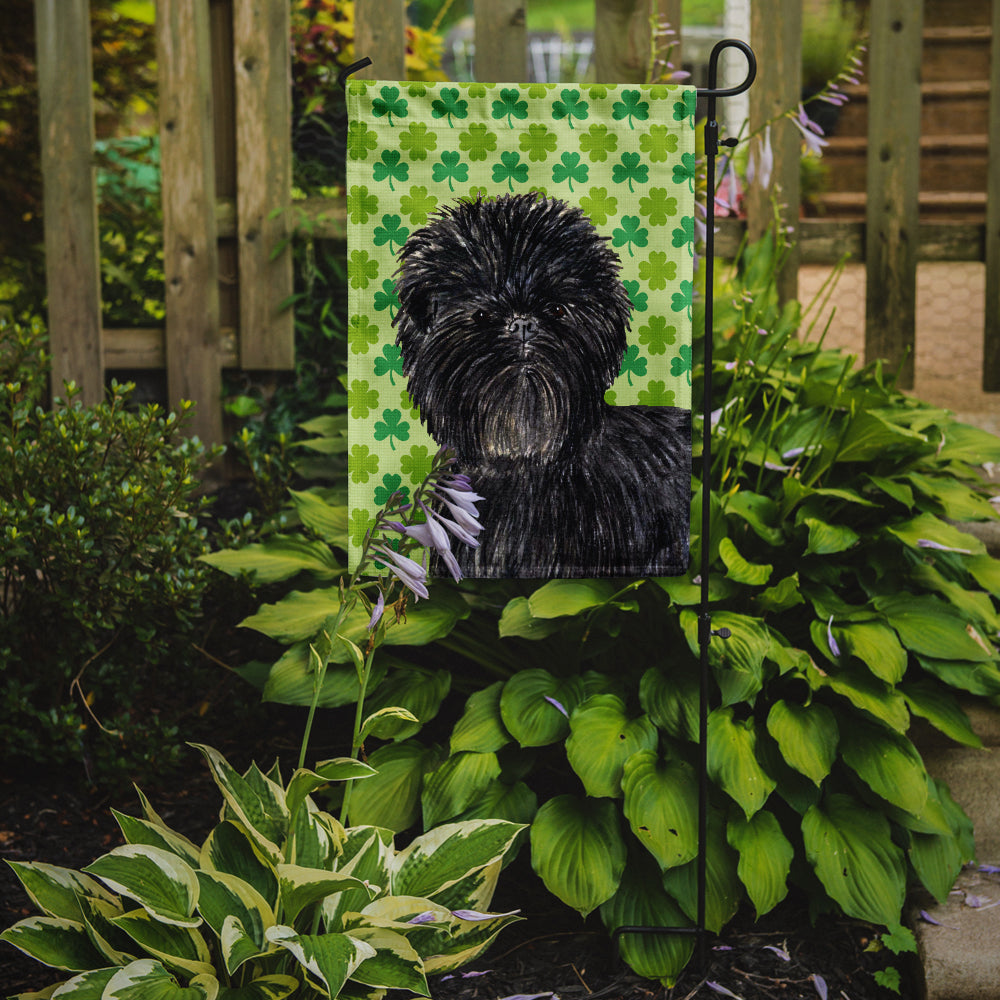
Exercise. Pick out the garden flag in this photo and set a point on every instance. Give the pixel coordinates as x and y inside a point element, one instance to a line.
<point>520,260</point>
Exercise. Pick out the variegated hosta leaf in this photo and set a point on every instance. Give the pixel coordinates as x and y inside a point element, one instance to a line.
<point>850,847</point>
<point>661,799</point>
<point>578,851</point>
<point>456,784</point>
<point>467,940</point>
<point>329,959</point>
<point>116,946</point>
<point>141,831</point>
<point>256,801</point>
<point>238,944</point>
<point>301,887</point>
<point>481,727</point>
<point>304,782</point>
<point>602,737</point>
<point>367,853</point>
<point>395,964</point>
<point>642,902</point>
<point>475,891</point>
<point>732,760</point>
<point>158,880</point>
<point>56,891</point>
<point>807,736</point>
<point>225,897</point>
<point>86,986</point>
<point>274,987</point>
<point>441,857</point>
<point>230,849</point>
<point>315,838</point>
<point>147,979</point>
<point>54,941</point>
<point>765,858</point>
<point>177,947</point>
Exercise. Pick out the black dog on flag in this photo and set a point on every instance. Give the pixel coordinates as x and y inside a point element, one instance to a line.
<point>512,325</point>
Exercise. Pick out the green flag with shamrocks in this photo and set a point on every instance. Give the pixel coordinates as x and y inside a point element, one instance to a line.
<point>520,260</point>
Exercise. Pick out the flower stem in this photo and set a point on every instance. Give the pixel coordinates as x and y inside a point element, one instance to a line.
<point>356,738</point>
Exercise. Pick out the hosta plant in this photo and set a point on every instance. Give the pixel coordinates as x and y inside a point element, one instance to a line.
<point>279,900</point>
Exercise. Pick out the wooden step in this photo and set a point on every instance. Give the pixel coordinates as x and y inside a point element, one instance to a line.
<point>947,162</point>
<point>957,206</point>
<point>945,106</point>
<point>939,13</point>
<point>956,53</point>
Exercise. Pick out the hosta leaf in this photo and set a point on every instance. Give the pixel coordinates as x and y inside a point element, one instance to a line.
<point>827,539</point>
<point>481,728</point>
<point>147,979</point>
<point>527,711</point>
<point>418,690</point>
<point>850,848</point>
<point>758,511</point>
<point>578,851</point>
<point>602,738</point>
<point>87,986</point>
<point>385,723</point>
<point>292,681</point>
<point>456,784</point>
<point>671,699</point>
<point>932,628</point>
<point>941,709</point>
<point>180,948</point>
<point>783,595</point>
<point>225,897</point>
<point>141,831</point>
<point>739,569</point>
<point>230,849</point>
<point>558,598</point>
<point>765,858</point>
<point>807,736</point>
<point>515,803</point>
<point>326,520</point>
<point>304,782</point>
<point>466,941</point>
<point>661,798</point>
<point>56,891</point>
<point>330,959</point>
<point>517,620</point>
<point>888,763</point>
<point>866,692</point>
<point>441,857</point>
<point>395,964</point>
<point>965,443</point>
<point>738,661</point>
<point>958,502</point>
<point>928,528</point>
<point>275,987</point>
<point>367,856</point>
<point>391,798</point>
<point>732,760</point>
<point>159,881</point>
<point>937,859</point>
<point>301,887</point>
<point>641,901</point>
<point>986,571</point>
<point>870,436</point>
<point>876,646</point>
<point>54,941</point>
<point>723,889</point>
<point>279,558</point>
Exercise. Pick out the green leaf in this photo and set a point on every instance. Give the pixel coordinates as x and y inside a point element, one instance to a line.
<point>54,941</point>
<point>517,620</point>
<point>941,709</point>
<point>850,848</point>
<point>864,692</point>
<point>86,986</point>
<point>752,574</point>
<point>385,723</point>
<point>876,646</point>
<point>481,727</point>
<point>928,528</point>
<point>640,901</point>
<point>869,436</point>
<point>578,851</point>
<point>56,891</point>
<point>888,763</point>
<point>395,964</point>
<point>141,831</point>
<point>827,539</point>
<point>456,784</point>
<point>732,760</point>
<point>275,987</point>
<point>330,959</point>
<point>660,805</point>
<point>937,859</point>
<point>438,859</point>
<point>601,739</point>
<point>164,885</point>
<point>230,849</point>
<point>976,678</point>
<point>765,858</point>
<point>738,661</point>
<point>147,979</point>
<point>515,803</point>
<point>671,700</point>
<point>301,887</point>
<point>391,798</point>
<point>225,897</point>
<point>304,782</point>
<point>558,598</point>
<point>279,558</point>
<point>932,628</point>
<point>527,711</point>
<point>807,736</point>
<point>325,519</point>
<point>180,948</point>
<point>783,595</point>
<point>419,690</point>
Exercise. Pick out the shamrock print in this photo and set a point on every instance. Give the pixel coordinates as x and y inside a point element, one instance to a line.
<point>392,484</point>
<point>656,336</point>
<point>630,233</point>
<point>629,169</point>
<point>418,204</point>
<point>510,106</point>
<point>391,363</point>
<point>392,231</point>
<point>360,204</point>
<point>658,143</point>
<point>361,140</point>
<point>656,393</point>
<point>361,334</point>
<point>417,463</point>
<point>388,298</point>
<point>657,271</point>
<point>639,300</point>
<point>418,140</point>
<point>537,141</point>
<point>569,169</point>
<point>597,142</point>
<point>630,106</point>
<point>658,206</point>
<point>681,364</point>
<point>389,104</point>
<point>390,165</point>
<point>599,205</point>
<point>571,106</point>
<point>632,362</point>
<point>683,235</point>
<point>362,463</point>
<point>449,104</point>
<point>478,141</point>
<point>358,525</point>
<point>686,170</point>
<point>683,301</point>
<point>361,269</point>
<point>510,169</point>
<point>450,168</point>
<point>684,109</point>
<point>391,427</point>
<point>361,398</point>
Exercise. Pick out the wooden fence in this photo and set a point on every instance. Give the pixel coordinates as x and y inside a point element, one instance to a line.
<point>226,161</point>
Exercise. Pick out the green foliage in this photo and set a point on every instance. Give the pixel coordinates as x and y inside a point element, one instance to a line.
<point>279,899</point>
<point>99,540</point>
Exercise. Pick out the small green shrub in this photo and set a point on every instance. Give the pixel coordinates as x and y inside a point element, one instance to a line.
<point>99,578</point>
<point>280,899</point>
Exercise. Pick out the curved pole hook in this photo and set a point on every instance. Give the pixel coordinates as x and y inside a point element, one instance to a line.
<point>348,70</point>
<point>712,90</point>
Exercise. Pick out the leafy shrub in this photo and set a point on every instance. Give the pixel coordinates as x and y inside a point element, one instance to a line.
<point>854,605</point>
<point>99,539</point>
<point>279,899</point>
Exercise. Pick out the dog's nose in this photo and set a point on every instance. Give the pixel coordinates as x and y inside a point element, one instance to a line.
<point>523,327</point>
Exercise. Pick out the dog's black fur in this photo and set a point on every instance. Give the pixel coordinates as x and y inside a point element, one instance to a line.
<point>512,325</point>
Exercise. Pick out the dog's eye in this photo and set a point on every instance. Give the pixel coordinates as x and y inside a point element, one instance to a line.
<point>558,311</point>
<point>480,316</point>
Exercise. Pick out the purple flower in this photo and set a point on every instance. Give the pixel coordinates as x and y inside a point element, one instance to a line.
<point>927,543</point>
<point>476,915</point>
<point>719,988</point>
<point>377,611</point>
<point>558,705</point>
<point>780,952</point>
<point>820,983</point>
<point>427,917</point>
<point>831,642</point>
<point>408,571</point>
<point>811,132</point>
<point>761,162</point>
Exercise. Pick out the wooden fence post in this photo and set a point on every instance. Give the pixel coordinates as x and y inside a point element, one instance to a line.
<point>501,41</point>
<point>893,183</point>
<point>991,333</point>
<point>622,41</point>
<point>190,251</point>
<point>380,34</point>
<point>262,61</point>
<point>72,255</point>
<point>776,35</point>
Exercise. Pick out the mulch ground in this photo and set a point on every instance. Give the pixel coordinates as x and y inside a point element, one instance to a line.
<point>550,953</point>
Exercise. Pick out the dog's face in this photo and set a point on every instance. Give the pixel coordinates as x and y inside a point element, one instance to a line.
<point>512,325</point>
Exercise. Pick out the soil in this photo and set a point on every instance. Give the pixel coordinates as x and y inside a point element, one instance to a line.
<point>550,953</point>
